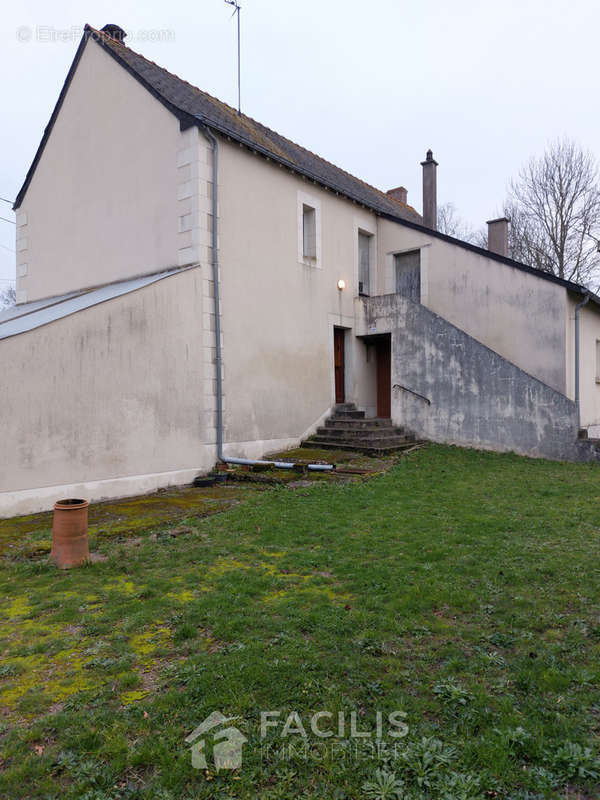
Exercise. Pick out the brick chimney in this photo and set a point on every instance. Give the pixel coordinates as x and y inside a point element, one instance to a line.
<point>114,31</point>
<point>498,235</point>
<point>429,191</point>
<point>400,194</point>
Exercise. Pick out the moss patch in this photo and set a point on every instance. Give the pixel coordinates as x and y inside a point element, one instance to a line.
<point>32,535</point>
<point>461,588</point>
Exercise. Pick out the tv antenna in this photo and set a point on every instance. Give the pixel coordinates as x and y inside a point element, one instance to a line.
<point>236,10</point>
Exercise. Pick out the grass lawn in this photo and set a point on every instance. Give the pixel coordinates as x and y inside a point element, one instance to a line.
<point>459,588</point>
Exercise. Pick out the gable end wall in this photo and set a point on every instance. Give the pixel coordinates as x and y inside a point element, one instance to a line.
<point>102,204</point>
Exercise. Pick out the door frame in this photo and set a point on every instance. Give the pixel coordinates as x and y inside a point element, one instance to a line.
<point>339,364</point>
<point>383,375</point>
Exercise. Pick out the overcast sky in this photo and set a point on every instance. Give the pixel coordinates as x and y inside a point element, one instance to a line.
<point>369,85</point>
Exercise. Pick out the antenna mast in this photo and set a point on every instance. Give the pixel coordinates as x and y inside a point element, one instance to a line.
<point>236,10</point>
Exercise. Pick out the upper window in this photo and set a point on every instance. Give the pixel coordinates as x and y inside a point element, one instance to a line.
<point>408,275</point>
<point>309,229</point>
<point>364,262</point>
<point>309,232</point>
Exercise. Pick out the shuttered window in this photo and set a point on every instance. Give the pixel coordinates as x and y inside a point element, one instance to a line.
<point>408,275</point>
<point>364,262</point>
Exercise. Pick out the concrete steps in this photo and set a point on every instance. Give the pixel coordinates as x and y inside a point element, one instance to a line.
<point>335,423</point>
<point>356,447</point>
<point>349,429</point>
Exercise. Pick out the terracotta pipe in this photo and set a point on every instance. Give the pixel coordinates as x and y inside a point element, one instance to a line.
<point>70,534</point>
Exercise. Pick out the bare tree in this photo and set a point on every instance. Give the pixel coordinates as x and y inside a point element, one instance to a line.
<point>554,208</point>
<point>451,223</point>
<point>8,297</point>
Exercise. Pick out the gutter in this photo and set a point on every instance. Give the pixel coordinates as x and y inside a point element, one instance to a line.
<point>208,134</point>
<point>579,306</point>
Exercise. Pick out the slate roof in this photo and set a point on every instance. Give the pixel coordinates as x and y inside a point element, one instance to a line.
<point>191,105</point>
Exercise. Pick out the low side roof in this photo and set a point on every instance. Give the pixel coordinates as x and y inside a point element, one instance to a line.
<point>11,312</point>
<point>28,316</point>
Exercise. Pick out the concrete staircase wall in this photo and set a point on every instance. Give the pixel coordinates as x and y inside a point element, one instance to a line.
<point>448,387</point>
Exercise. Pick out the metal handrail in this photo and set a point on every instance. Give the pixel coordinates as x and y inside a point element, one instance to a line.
<point>412,391</point>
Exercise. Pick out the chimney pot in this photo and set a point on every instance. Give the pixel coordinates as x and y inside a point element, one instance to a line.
<point>114,31</point>
<point>400,194</point>
<point>430,191</point>
<point>498,235</point>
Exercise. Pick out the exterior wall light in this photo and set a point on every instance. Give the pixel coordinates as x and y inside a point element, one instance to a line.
<point>341,284</point>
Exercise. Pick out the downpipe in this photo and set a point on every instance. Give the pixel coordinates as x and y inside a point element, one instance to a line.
<point>208,134</point>
<point>578,307</point>
<point>217,301</point>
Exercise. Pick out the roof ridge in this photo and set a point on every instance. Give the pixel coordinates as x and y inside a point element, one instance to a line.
<point>390,209</point>
<point>119,44</point>
<point>114,43</point>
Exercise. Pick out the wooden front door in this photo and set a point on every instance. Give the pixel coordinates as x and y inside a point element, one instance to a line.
<point>384,377</point>
<point>338,362</point>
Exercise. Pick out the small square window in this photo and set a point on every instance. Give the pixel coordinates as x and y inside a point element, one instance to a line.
<point>309,232</point>
<point>408,275</point>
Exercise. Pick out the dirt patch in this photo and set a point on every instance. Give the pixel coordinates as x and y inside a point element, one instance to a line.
<point>97,558</point>
<point>32,535</point>
<point>135,518</point>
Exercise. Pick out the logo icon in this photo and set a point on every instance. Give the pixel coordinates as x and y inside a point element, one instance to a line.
<point>227,743</point>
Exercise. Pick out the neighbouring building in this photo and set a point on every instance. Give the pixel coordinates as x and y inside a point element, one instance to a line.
<point>329,290</point>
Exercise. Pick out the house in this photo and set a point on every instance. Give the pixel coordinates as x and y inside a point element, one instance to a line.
<point>126,366</point>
